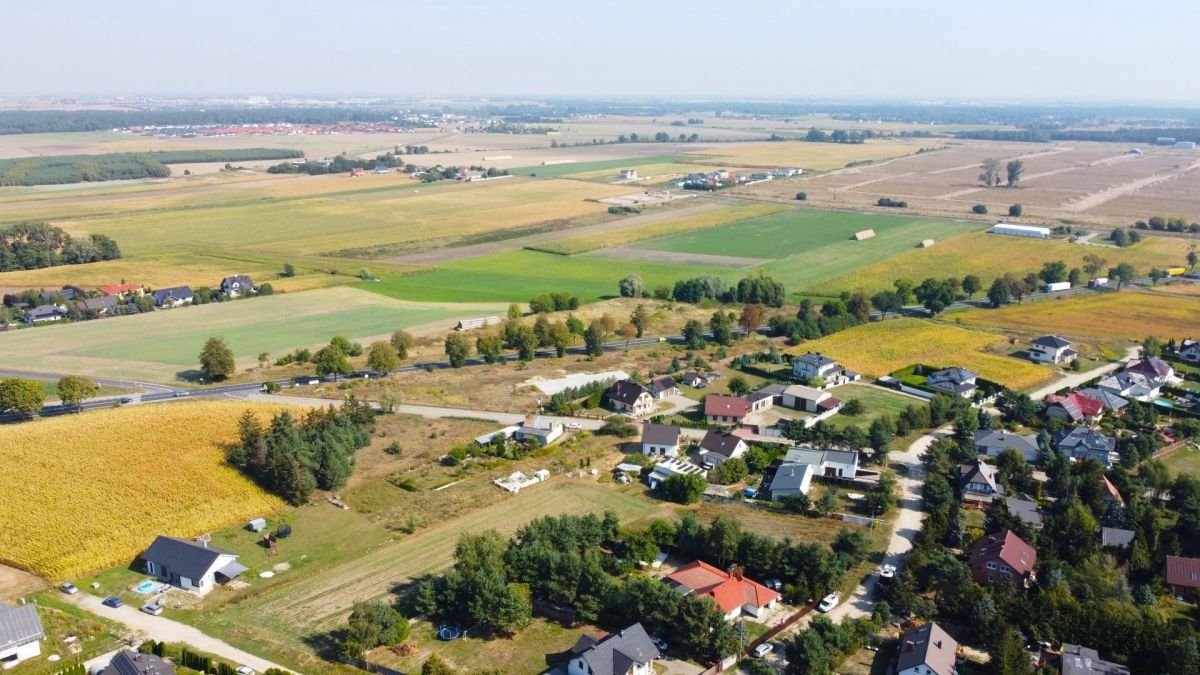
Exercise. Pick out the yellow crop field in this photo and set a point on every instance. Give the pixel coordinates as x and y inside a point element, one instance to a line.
<point>815,156</point>
<point>1129,314</point>
<point>89,491</point>
<point>989,256</point>
<point>879,348</point>
<point>618,237</point>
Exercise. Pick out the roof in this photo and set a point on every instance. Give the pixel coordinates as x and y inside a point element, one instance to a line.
<point>978,472</point>
<point>1086,439</point>
<point>128,662</point>
<point>1077,660</point>
<point>664,383</point>
<point>1115,536</point>
<point>791,476</point>
<point>1051,341</point>
<point>1183,571</point>
<point>1024,509</point>
<point>660,434</point>
<point>626,391</point>
<point>815,359</point>
<point>1111,401</point>
<point>1113,493</point>
<point>178,292</point>
<point>829,403</point>
<point>806,393</point>
<point>45,310</point>
<point>1077,405</point>
<point>691,376</point>
<point>98,303</point>
<point>183,556</point>
<point>616,653</point>
<point>1005,546</point>
<point>19,625</point>
<point>728,406</point>
<point>955,374</point>
<point>1003,440</point>
<point>729,592</point>
<point>240,279</point>
<point>1150,367</point>
<point>720,442</point>
<point>115,289</point>
<point>928,646</point>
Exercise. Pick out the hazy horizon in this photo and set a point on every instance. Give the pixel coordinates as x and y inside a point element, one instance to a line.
<point>938,50</point>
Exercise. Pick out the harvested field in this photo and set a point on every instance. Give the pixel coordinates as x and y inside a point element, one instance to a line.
<point>879,348</point>
<point>16,584</point>
<point>812,156</point>
<point>1126,315</point>
<point>84,493</point>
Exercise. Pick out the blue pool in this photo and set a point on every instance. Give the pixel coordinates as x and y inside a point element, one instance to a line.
<point>146,587</point>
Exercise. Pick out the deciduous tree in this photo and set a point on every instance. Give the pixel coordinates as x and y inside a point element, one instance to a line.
<point>382,356</point>
<point>75,389</point>
<point>458,348</point>
<point>216,359</point>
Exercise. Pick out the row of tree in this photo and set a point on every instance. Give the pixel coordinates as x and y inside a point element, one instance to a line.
<point>27,246</point>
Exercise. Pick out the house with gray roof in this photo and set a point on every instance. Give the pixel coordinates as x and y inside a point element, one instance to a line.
<point>953,381</point>
<point>1116,537</point>
<point>927,650</point>
<point>791,480</point>
<point>44,314</point>
<point>992,442</point>
<point>977,481</point>
<point>1051,349</point>
<point>102,305</point>
<point>20,634</point>
<point>129,662</point>
<point>660,440</point>
<point>1077,660</point>
<point>814,364</point>
<point>718,447</point>
<point>539,430</point>
<point>626,652</point>
<point>828,463</point>
<point>190,565</point>
<point>1026,510</point>
<point>237,285</point>
<point>1082,443</point>
<point>1189,350</point>
<point>172,297</point>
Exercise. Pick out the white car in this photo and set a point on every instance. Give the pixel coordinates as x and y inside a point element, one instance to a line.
<point>829,602</point>
<point>69,588</point>
<point>887,571</point>
<point>763,649</point>
<point>574,426</point>
<point>245,670</point>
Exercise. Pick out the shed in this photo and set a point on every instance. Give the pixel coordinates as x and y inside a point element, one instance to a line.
<point>257,525</point>
<point>863,234</point>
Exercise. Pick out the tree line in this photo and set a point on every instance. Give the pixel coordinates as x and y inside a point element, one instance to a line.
<point>27,246</point>
<point>1123,135</point>
<point>55,121</point>
<point>64,169</point>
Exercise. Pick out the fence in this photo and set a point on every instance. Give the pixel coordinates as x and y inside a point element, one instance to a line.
<point>363,664</point>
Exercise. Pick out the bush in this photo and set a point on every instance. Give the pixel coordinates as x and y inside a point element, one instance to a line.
<point>892,203</point>
<point>853,407</point>
<point>801,196</point>
<point>394,448</point>
<point>981,209</point>
<point>1015,211</point>
<point>618,426</point>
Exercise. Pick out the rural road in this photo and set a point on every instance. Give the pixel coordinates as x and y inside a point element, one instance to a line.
<point>1073,380</point>
<point>167,630</point>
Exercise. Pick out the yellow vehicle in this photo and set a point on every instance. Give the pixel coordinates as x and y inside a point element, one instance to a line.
<point>1176,271</point>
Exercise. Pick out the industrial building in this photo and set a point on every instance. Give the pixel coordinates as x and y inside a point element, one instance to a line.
<point>1021,230</point>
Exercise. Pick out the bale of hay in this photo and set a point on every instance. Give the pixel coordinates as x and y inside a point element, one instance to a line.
<point>863,234</point>
<point>925,243</point>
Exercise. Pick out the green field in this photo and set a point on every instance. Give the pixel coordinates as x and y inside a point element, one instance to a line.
<point>158,345</point>
<point>876,401</point>
<point>1183,460</point>
<point>516,276</point>
<point>570,168</point>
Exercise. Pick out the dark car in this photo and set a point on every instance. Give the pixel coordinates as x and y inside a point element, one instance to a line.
<point>125,400</point>
<point>112,601</point>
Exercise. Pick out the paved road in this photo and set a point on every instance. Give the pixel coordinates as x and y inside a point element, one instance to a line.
<point>163,629</point>
<point>1073,380</point>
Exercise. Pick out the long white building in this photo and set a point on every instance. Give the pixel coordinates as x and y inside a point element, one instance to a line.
<point>1021,230</point>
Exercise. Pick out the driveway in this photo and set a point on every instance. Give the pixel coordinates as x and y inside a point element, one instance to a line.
<point>1073,380</point>
<point>166,630</point>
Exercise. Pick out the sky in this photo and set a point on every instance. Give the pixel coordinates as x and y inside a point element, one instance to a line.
<point>1015,50</point>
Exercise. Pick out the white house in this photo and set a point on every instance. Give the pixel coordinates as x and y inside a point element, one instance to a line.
<point>626,652</point>
<point>630,398</point>
<point>1051,349</point>
<point>808,399</point>
<point>172,297</point>
<point>953,381</point>
<point>812,364</point>
<point>20,634</point>
<point>1189,350</point>
<point>660,440</point>
<point>629,174</point>
<point>791,480</point>
<point>190,565</point>
<point>927,650</point>
<point>237,285</point>
<point>828,463</point>
<point>540,430</point>
<point>673,467</point>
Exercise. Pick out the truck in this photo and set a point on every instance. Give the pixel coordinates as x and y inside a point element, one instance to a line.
<point>1098,282</point>
<point>1176,271</point>
<point>1057,286</point>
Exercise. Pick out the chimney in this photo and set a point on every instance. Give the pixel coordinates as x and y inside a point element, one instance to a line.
<point>910,646</point>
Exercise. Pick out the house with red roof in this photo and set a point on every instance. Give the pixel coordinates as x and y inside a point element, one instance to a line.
<point>122,290</point>
<point>1000,555</point>
<point>1183,576</point>
<point>1076,408</point>
<point>720,409</point>
<point>733,593</point>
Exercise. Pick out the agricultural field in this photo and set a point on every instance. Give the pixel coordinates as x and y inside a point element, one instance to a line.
<point>84,493</point>
<point>810,156</point>
<point>878,348</point>
<point>519,275</point>
<point>163,345</point>
<point>1128,315</point>
<point>648,172</point>
<point>989,256</point>
<point>594,168</point>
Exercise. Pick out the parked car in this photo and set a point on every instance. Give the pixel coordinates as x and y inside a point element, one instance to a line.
<point>126,400</point>
<point>774,584</point>
<point>180,394</point>
<point>153,609</point>
<point>659,643</point>
<point>69,588</point>
<point>887,571</point>
<point>763,649</point>
<point>829,602</point>
<point>574,426</point>
<point>112,601</point>
<point>245,670</point>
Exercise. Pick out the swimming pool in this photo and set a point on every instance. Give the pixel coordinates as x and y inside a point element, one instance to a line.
<point>146,587</point>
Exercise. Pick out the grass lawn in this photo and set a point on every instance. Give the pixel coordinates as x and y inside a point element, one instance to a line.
<point>69,628</point>
<point>777,524</point>
<point>876,401</point>
<point>159,345</point>
<point>516,276</point>
<point>1183,460</point>
<point>531,650</point>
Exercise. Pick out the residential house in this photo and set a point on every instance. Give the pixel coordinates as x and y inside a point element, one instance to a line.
<point>122,290</point>
<point>626,652</point>
<point>953,381</point>
<point>1083,443</point>
<point>172,297</point>
<point>630,397</point>
<point>1189,351</point>
<point>719,409</point>
<point>1130,385</point>
<point>692,379</point>
<point>20,634</point>
<point>992,442</point>
<point>1152,367</point>
<point>44,314</point>
<point>660,440</point>
<point>718,447</point>
<point>1003,554</point>
<point>1183,576</point>
<point>1026,510</point>
<point>790,480</point>
<point>236,286</point>
<point>191,565</point>
<point>813,364</point>
<point>1115,537</point>
<point>732,592</point>
<point>663,387</point>
<point>673,467</point>
<point>1113,404</point>
<point>1077,660</point>
<point>1074,408</point>
<point>1052,349</point>
<point>100,306</point>
<point>828,463</point>
<point>808,399</point>
<point>977,481</point>
<point>926,650</point>
<point>540,430</point>
<point>129,662</point>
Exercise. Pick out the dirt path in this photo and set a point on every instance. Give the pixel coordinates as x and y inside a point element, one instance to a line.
<point>679,257</point>
<point>475,250</point>
<point>1104,196</point>
<point>1031,155</point>
<point>15,583</point>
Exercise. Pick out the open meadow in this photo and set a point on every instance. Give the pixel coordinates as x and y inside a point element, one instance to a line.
<point>878,348</point>
<point>810,156</point>
<point>1128,315</point>
<point>159,346</point>
<point>85,494</point>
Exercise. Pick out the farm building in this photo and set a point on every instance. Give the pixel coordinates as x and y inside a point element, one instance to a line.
<point>925,243</point>
<point>1030,231</point>
<point>1185,145</point>
<point>191,565</point>
<point>20,634</point>
<point>478,322</point>
<point>629,174</point>
<point>863,234</point>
